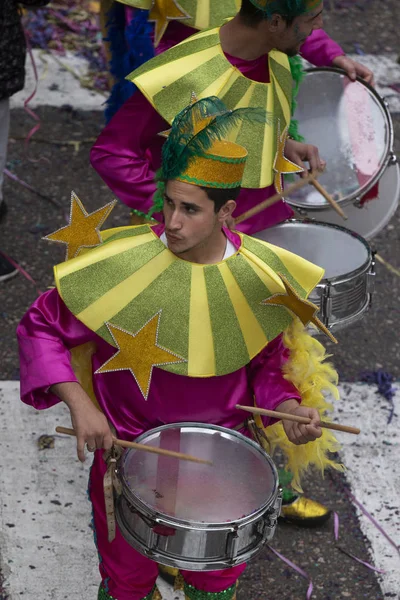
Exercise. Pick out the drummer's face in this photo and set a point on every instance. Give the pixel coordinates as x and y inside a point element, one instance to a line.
<point>191,223</point>
<point>295,34</point>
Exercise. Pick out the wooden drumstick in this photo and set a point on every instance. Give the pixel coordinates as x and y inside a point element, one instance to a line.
<point>305,420</point>
<point>328,198</point>
<point>275,198</point>
<point>145,448</point>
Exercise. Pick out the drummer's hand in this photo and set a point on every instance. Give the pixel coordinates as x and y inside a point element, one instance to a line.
<point>90,425</point>
<point>354,69</point>
<point>298,433</point>
<point>300,153</point>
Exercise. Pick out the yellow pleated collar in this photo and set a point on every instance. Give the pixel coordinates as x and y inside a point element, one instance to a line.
<point>132,284</point>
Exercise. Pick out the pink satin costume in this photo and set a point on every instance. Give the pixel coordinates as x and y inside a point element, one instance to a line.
<point>47,334</point>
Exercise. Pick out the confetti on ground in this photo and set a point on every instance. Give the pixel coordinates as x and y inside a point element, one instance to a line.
<point>74,27</point>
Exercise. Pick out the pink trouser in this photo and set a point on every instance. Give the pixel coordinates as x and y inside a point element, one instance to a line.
<point>126,574</point>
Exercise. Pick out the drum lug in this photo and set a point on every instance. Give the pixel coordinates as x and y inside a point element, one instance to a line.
<point>301,211</point>
<point>274,513</point>
<point>358,202</point>
<point>326,305</point>
<point>270,519</point>
<point>371,282</point>
<point>151,540</point>
<point>393,159</point>
<point>232,544</point>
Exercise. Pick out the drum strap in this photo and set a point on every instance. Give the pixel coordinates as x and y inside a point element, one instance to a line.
<point>257,432</point>
<point>111,484</point>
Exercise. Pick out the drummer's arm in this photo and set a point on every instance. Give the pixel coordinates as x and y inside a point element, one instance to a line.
<point>45,334</point>
<point>272,391</point>
<point>90,424</point>
<point>43,350</point>
<point>321,51</point>
<point>298,433</point>
<point>121,157</point>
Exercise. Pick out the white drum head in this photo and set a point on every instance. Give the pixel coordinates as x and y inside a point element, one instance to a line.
<point>239,483</point>
<point>369,220</point>
<point>338,251</point>
<point>352,129</point>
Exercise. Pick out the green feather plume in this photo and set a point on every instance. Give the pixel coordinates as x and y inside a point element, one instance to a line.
<point>184,145</point>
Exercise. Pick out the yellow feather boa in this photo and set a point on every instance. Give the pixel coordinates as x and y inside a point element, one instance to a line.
<point>315,379</point>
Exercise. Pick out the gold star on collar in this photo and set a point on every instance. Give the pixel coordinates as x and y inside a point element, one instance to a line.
<point>83,228</point>
<point>162,13</point>
<point>283,166</point>
<point>139,353</point>
<point>303,309</point>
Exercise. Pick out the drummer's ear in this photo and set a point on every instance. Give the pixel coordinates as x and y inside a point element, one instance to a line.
<point>225,212</point>
<point>276,24</point>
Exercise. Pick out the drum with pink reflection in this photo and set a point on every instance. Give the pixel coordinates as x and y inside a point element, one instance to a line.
<point>192,516</point>
<point>351,126</point>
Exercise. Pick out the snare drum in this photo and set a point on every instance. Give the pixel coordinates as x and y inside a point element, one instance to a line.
<point>195,516</point>
<point>345,293</point>
<point>353,130</point>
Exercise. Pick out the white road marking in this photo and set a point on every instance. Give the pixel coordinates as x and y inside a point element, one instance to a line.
<point>58,86</point>
<point>373,471</point>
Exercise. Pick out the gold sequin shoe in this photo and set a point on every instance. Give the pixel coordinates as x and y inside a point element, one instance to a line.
<point>305,512</point>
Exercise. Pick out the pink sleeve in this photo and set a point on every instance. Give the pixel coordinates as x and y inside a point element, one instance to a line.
<point>45,334</point>
<point>320,50</point>
<point>266,378</point>
<point>128,152</point>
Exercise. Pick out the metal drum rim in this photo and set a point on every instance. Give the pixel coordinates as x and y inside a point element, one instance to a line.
<point>163,558</point>
<point>350,199</point>
<point>153,514</point>
<point>352,319</point>
<point>339,278</point>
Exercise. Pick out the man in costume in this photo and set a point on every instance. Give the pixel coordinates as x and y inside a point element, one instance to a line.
<point>245,63</point>
<point>135,30</point>
<point>146,318</point>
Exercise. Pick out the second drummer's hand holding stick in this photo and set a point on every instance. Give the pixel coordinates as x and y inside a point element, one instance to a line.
<point>300,153</point>
<point>298,433</point>
<point>354,69</point>
<point>90,425</point>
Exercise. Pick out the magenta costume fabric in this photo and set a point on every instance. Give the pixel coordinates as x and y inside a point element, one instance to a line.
<point>47,334</point>
<point>127,153</point>
<point>49,331</point>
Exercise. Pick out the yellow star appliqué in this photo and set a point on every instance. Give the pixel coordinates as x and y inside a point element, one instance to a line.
<point>303,309</point>
<point>283,166</point>
<point>83,230</point>
<point>162,13</point>
<point>139,353</point>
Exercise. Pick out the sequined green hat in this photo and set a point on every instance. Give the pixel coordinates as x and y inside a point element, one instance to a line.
<point>197,151</point>
<point>287,8</point>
